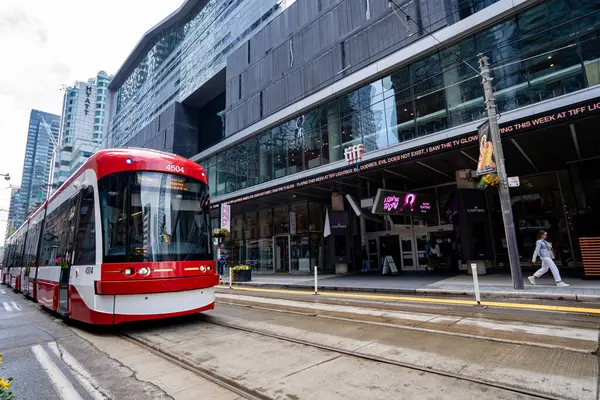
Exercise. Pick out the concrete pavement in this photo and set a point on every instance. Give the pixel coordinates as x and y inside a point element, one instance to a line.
<point>281,369</point>
<point>499,286</point>
<point>252,348</point>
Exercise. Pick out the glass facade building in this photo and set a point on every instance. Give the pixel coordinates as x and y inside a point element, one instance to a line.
<point>37,166</point>
<point>538,54</point>
<point>181,58</point>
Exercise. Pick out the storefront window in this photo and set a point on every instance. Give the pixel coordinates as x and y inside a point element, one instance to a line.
<point>251,230</point>
<point>265,222</point>
<point>281,221</point>
<point>300,213</point>
<point>316,219</point>
<point>237,225</point>
<point>537,205</point>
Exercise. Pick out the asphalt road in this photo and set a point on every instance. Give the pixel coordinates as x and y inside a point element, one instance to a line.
<point>48,361</point>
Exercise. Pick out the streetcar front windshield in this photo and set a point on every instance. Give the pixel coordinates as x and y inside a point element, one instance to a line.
<point>153,217</point>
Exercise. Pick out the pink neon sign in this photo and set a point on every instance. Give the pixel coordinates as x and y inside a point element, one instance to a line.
<point>391,203</point>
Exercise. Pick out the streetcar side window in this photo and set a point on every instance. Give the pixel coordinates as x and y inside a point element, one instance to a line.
<point>31,245</point>
<point>85,249</point>
<point>19,249</point>
<point>57,238</point>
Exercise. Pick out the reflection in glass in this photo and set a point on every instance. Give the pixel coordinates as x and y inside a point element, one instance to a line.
<point>280,153</point>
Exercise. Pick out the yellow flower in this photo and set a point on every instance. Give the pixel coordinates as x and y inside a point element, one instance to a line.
<point>4,384</point>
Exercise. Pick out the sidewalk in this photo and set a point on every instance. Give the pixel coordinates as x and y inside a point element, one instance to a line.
<point>431,284</point>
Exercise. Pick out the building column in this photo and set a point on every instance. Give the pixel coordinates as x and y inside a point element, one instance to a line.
<point>337,204</point>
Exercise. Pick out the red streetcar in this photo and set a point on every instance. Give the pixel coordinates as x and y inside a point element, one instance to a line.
<point>126,238</point>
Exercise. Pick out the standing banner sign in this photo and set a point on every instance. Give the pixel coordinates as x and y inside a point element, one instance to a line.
<point>487,159</point>
<point>226,216</point>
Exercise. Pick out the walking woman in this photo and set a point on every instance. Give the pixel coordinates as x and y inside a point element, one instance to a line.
<point>544,250</point>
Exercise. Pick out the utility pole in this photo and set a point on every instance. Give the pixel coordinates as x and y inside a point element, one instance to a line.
<point>505,203</point>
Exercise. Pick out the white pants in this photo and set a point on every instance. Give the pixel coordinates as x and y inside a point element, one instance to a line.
<point>547,262</point>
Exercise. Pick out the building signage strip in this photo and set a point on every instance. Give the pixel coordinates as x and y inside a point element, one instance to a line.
<point>572,112</point>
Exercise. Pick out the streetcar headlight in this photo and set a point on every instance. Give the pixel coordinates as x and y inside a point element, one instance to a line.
<point>208,268</point>
<point>144,271</point>
<point>129,271</point>
<point>202,268</point>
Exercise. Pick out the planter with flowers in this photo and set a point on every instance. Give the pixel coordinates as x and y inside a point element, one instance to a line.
<point>5,393</point>
<point>488,181</point>
<point>220,234</point>
<point>242,273</point>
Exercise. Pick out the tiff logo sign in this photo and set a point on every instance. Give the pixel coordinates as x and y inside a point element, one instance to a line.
<point>353,154</point>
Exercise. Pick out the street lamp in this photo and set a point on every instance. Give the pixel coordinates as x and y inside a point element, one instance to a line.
<point>6,177</point>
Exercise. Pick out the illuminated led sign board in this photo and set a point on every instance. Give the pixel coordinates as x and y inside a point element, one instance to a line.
<point>402,203</point>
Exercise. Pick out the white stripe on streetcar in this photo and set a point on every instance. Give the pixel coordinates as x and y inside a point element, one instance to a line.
<point>63,387</point>
<point>7,306</point>
<point>82,374</point>
<point>15,305</point>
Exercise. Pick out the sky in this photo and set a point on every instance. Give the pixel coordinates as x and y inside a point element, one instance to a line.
<point>46,44</point>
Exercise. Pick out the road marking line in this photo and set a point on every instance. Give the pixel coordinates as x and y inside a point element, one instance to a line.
<point>537,307</point>
<point>63,387</point>
<point>7,306</point>
<point>81,374</point>
<point>3,291</point>
<point>15,305</point>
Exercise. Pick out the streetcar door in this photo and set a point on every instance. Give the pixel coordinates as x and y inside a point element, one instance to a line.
<point>72,223</point>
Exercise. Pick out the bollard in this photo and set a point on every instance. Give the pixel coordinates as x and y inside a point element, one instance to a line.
<point>230,277</point>
<point>476,283</point>
<point>316,289</point>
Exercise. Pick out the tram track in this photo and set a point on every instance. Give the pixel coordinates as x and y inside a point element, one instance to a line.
<point>410,366</point>
<point>211,376</point>
<point>249,393</point>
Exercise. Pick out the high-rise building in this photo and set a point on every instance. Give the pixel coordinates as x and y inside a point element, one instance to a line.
<point>83,126</point>
<point>11,225</point>
<point>42,138</point>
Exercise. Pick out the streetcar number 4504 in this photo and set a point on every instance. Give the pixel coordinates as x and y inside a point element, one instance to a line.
<point>175,168</point>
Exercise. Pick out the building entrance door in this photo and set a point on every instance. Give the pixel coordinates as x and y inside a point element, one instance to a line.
<point>373,254</point>
<point>281,254</point>
<point>407,244</point>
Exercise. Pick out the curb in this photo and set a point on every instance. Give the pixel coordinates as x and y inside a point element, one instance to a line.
<point>502,294</point>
